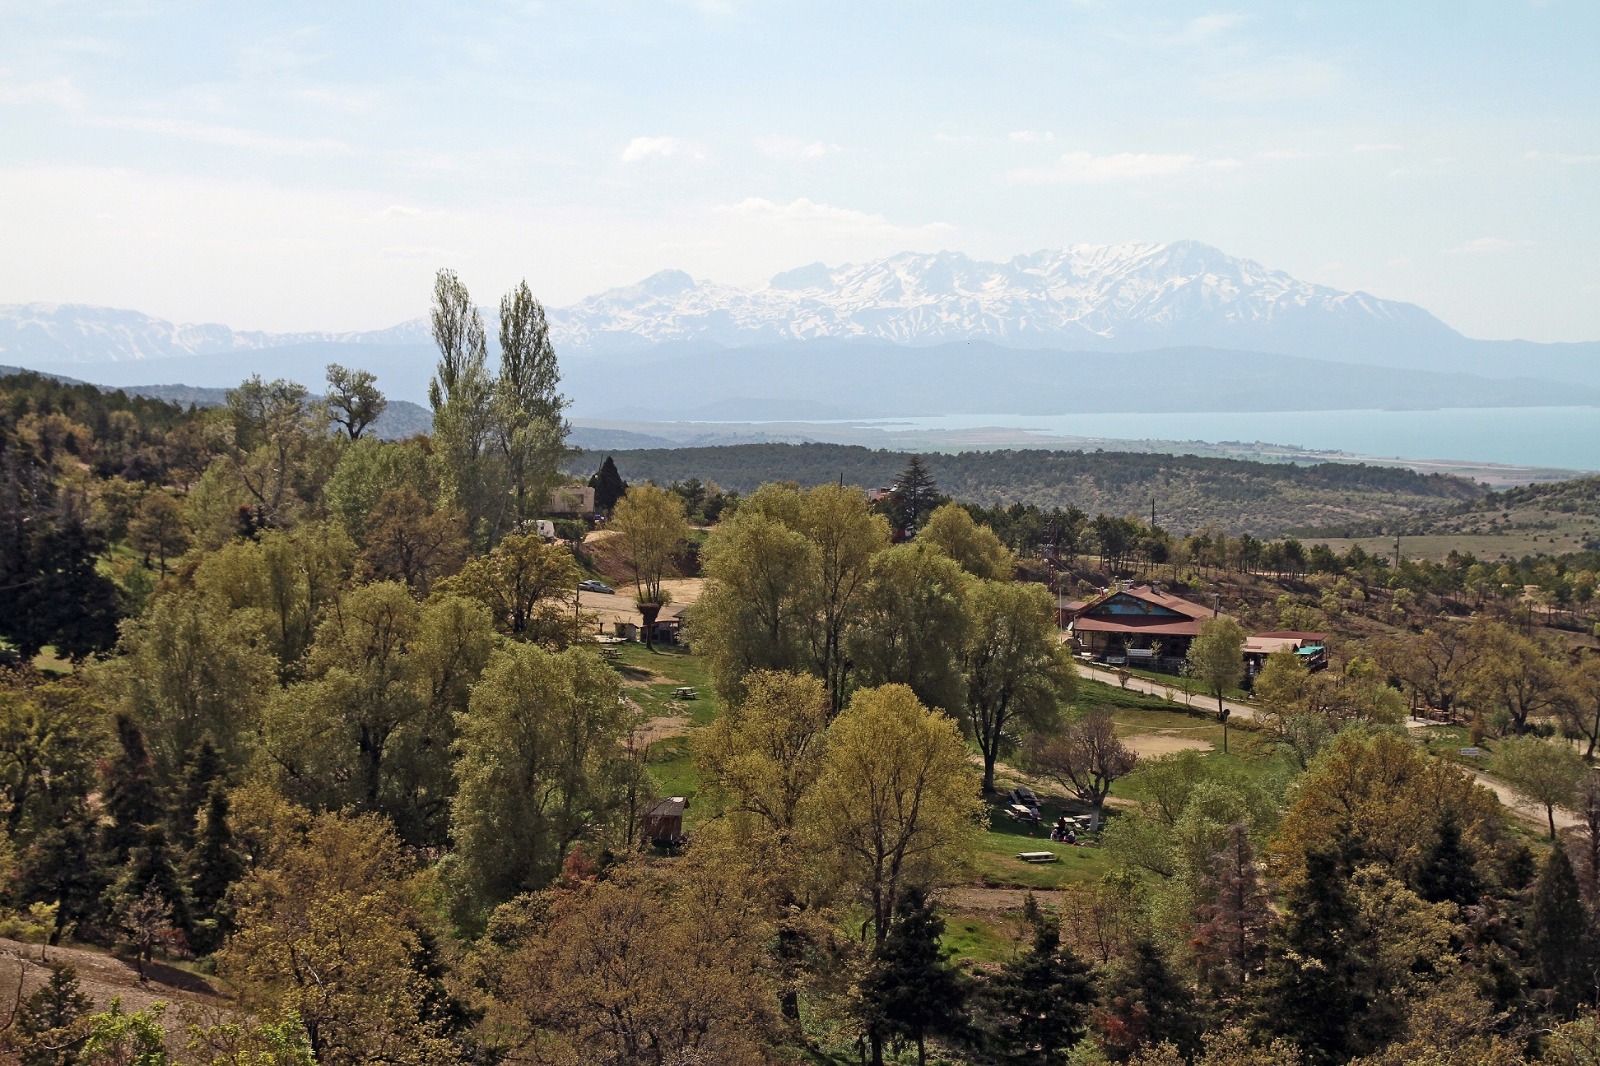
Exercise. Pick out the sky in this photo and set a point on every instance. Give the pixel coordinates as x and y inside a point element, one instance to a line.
<point>292,166</point>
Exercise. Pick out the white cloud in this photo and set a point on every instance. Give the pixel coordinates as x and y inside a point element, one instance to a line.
<point>1482,245</point>
<point>1285,153</point>
<point>1366,149</point>
<point>350,101</point>
<point>1083,168</point>
<point>809,213</point>
<point>643,148</point>
<point>1562,157</point>
<point>1032,136</point>
<point>57,92</point>
<point>1275,79</point>
<point>778,146</point>
<point>227,136</point>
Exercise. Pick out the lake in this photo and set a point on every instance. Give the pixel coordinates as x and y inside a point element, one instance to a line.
<point>1566,437</point>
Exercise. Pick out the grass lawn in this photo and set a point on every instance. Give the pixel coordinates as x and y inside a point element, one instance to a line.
<point>651,677</point>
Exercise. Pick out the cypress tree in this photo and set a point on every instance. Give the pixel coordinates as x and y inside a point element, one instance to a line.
<point>1560,943</point>
<point>608,486</point>
<point>202,769</point>
<point>1034,1009</point>
<point>215,864</point>
<point>1316,987</point>
<point>912,990</point>
<point>130,793</point>
<point>1147,1005</point>
<point>44,1019</point>
<point>1447,873</point>
<point>915,495</point>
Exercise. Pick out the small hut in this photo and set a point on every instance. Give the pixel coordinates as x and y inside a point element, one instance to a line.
<point>663,822</point>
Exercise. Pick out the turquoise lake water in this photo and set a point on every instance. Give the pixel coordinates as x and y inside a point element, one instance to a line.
<point>1523,436</point>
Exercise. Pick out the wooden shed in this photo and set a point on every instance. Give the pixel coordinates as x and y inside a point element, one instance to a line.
<point>663,822</point>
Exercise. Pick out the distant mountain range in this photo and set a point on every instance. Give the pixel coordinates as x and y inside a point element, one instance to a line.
<point>1085,314</point>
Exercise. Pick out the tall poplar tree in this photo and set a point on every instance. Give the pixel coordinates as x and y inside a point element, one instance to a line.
<point>529,428</point>
<point>461,394</point>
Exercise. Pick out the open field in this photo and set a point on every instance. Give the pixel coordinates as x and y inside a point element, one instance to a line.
<point>1486,546</point>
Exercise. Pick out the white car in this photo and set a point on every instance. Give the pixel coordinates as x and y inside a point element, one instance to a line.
<point>592,585</point>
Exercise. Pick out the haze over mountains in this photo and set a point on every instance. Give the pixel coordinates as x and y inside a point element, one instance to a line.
<point>1180,326</point>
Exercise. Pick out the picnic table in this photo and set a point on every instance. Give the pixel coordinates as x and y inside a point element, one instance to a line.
<point>684,692</point>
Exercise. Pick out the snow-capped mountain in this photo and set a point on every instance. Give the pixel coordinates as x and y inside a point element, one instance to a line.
<point>80,333</point>
<point>1123,297</point>
<point>1087,296</point>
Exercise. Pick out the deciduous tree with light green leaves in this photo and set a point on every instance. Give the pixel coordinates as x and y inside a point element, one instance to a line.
<point>912,625</point>
<point>974,547</point>
<point>461,394</point>
<point>529,428</point>
<point>1018,673</point>
<point>1216,660</point>
<point>539,767</point>
<point>651,524</point>
<point>354,401</point>
<point>1546,771</point>
<point>896,803</point>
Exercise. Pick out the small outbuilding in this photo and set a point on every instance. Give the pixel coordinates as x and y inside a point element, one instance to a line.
<point>663,822</point>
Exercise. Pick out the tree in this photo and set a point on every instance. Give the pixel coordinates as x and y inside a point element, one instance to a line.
<point>1085,758</point>
<point>215,864</point>
<point>461,393</point>
<point>1561,942</point>
<point>762,756</point>
<point>146,922</point>
<point>1512,673</point>
<point>117,1038</point>
<point>1447,872</point>
<point>636,969</point>
<point>1580,705</point>
<point>1317,982</point>
<point>1147,1004</point>
<point>1378,799</point>
<point>279,442</point>
<point>1032,1011</point>
<point>408,540</point>
<point>129,792</point>
<point>1233,922</point>
<point>47,1029</point>
<point>536,769</point>
<point>157,528</point>
<point>759,760</point>
<point>974,548</point>
<point>911,628</point>
<point>894,805</point>
<point>529,587</point>
<point>331,933</point>
<point>1216,660</point>
<point>911,990</point>
<point>191,669</point>
<point>371,726</point>
<point>1545,771</point>
<point>354,399</point>
<point>1017,671</point>
<point>651,525</point>
<point>529,427</point>
<point>915,494</point>
<point>608,486</point>
<point>845,536</point>
<point>786,581</point>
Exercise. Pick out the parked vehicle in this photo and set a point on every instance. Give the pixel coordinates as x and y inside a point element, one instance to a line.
<point>591,585</point>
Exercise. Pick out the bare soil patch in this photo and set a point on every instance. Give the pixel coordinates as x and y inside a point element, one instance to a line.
<point>1153,745</point>
<point>104,977</point>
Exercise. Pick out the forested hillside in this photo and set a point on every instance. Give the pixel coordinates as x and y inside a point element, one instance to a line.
<point>1190,492</point>
<point>315,752</point>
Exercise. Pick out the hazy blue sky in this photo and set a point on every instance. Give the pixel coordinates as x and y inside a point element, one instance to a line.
<point>308,166</point>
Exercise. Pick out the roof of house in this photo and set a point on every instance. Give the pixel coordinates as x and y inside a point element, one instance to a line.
<point>1282,640</point>
<point>671,807</point>
<point>1141,609</point>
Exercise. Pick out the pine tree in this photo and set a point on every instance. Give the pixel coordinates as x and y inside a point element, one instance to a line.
<point>202,769</point>
<point>1560,943</point>
<point>1033,1010</point>
<point>130,793</point>
<point>41,1031</point>
<point>61,867</point>
<point>608,486</point>
<point>912,990</point>
<point>1316,987</point>
<point>1148,1005</point>
<point>213,867</point>
<point>1446,873</point>
<point>1230,936</point>
<point>150,870</point>
<point>915,495</point>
